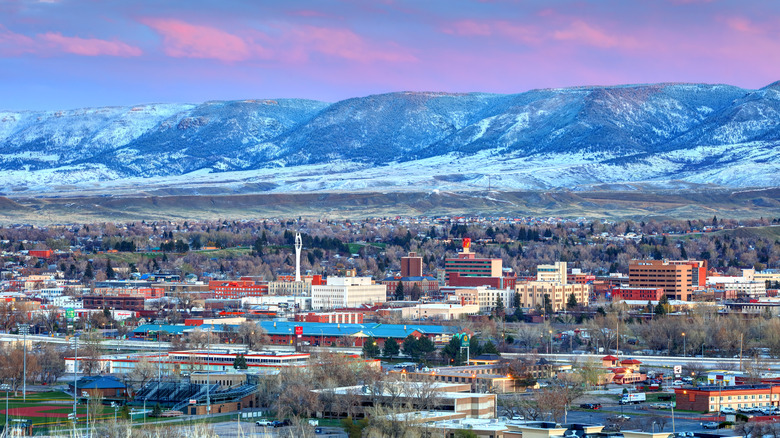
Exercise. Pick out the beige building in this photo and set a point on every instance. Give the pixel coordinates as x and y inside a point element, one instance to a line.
<point>531,293</point>
<point>552,273</point>
<point>485,297</point>
<point>347,292</point>
<point>290,288</point>
<point>439,311</point>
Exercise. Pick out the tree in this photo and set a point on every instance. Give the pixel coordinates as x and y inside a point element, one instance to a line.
<point>548,309</point>
<point>452,352</point>
<point>572,303</point>
<point>391,348</point>
<point>499,310</point>
<point>370,348</point>
<point>110,274</point>
<point>88,274</point>
<point>463,433</point>
<point>239,362</point>
<point>399,292</point>
<point>490,348</point>
<point>409,347</point>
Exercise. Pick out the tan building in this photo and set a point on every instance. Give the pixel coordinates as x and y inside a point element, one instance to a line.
<point>531,293</point>
<point>552,273</point>
<point>445,312</point>
<point>676,280</point>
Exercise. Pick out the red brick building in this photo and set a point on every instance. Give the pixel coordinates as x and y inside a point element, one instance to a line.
<point>40,253</point>
<point>714,397</point>
<point>411,265</point>
<point>237,289</point>
<point>637,293</point>
<point>120,302</point>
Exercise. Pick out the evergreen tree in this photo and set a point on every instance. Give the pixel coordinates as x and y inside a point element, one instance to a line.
<point>548,309</point>
<point>370,348</point>
<point>500,310</point>
<point>239,362</point>
<point>409,347</point>
<point>399,292</point>
<point>391,348</point>
<point>572,303</point>
<point>683,254</point>
<point>660,309</point>
<point>452,352</point>
<point>109,270</point>
<point>88,271</point>
<point>490,348</point>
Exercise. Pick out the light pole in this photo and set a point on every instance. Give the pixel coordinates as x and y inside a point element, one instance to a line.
<point>75,380</point>
<point>683,335</point>
<point>7,387</point>
<point>24,329</point>
<point>551,350</point>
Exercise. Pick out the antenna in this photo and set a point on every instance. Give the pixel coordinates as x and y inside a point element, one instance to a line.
<point>298,246</point>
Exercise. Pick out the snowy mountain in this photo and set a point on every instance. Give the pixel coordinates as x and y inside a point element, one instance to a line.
<point>665,134</point>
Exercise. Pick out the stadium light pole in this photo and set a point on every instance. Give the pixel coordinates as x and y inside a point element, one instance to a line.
<point>75,381</point>
<point>24,329</point>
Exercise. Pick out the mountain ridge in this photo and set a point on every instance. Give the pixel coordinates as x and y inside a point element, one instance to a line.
<point>540,139</point>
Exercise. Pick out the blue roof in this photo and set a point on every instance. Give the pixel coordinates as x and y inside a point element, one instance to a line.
<point>398,331</point>
<point>99,382</point>
<point>172,329</point>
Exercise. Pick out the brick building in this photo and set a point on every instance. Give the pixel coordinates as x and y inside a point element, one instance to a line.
<point>637,293</point>
<point>675,279</point>
<point>715,397</point>
<point>237,289</point>
<point>411,265</point>
<point>331,317</point>
<point>123,302</point>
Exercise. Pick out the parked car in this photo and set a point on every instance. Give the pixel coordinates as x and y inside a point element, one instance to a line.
<point>727,410</point>
<point>283,423</point>
<point>590,406</point>
<point>711,425</point>
<point>264,423</point>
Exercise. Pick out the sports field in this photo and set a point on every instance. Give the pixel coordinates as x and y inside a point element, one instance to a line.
<point>45,408</point>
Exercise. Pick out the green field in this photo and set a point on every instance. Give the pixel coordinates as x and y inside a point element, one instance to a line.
<point>38,406</point>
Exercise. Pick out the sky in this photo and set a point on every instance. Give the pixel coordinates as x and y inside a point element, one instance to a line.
<point>63,54</point>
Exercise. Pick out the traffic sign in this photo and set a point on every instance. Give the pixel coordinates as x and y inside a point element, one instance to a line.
<point>70,313</point>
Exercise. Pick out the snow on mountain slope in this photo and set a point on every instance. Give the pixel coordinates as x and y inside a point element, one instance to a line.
<point>540,139</point>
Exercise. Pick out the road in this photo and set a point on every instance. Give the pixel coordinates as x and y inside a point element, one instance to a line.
<point>661,361</point>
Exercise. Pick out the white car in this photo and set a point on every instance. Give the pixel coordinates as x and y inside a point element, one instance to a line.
<point>727,411</point>
<point>264,423</point>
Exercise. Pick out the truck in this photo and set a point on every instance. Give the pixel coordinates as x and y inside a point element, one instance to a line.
<point>632,397</point>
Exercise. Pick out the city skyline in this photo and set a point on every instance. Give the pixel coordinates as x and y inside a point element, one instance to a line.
<point>59,54</point>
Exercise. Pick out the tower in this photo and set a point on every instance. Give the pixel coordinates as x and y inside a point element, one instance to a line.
<point>298,246</point>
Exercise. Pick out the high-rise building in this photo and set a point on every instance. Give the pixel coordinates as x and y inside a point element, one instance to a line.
<point>698,271</point>
<point>675,279</point>
<point>555,273</point>
<point>468,265</point>
<point>411,265</point>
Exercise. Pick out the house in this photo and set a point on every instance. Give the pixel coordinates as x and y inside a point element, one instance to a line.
<point>107,387</point>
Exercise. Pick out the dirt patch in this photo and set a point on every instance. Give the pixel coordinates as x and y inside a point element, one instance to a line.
<point>39,412</point>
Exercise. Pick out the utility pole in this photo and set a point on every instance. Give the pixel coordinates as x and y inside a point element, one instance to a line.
<point>75,380</point>
<point>208,382</point>
<point>24,329</point>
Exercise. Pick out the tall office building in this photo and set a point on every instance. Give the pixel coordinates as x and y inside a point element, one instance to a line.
<point>675,279</point>
<point>411,265</point>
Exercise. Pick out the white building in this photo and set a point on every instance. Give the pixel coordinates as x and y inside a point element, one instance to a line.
<point>484,297</point>
<point>552,273</point>
<point>347,292</point>
<point>438,311</point>
<point>746,284</point>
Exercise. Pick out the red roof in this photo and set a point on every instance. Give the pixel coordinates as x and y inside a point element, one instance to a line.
<point>630,362</point>
<point>619,370</point>
<point>609,358</point>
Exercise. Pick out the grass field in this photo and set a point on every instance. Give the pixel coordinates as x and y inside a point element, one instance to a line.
<point>46,408</point>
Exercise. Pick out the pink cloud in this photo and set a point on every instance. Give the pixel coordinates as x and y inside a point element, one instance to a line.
<point>12,44</point>
<point>741,24</point>
<point>583,33</point>
<point>185,40</point>
<point>89,46</point>
<point>343,43</point>
<point>469,28</point>
<point>516,32</point>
